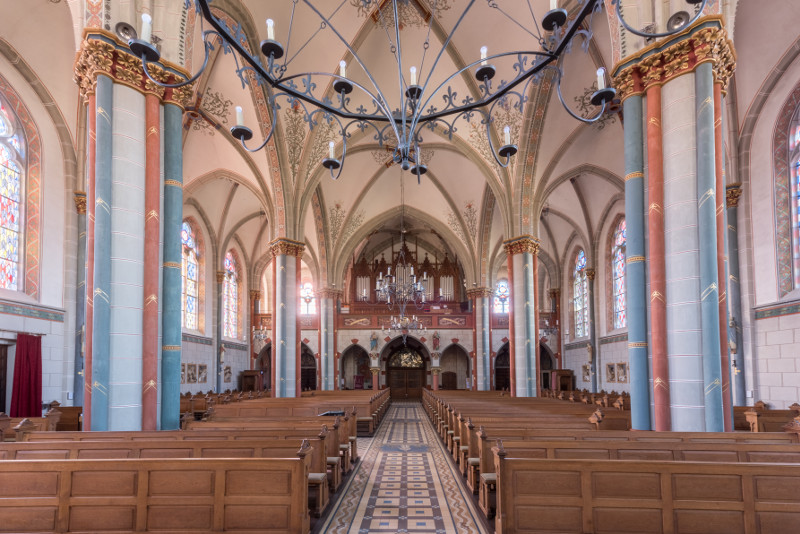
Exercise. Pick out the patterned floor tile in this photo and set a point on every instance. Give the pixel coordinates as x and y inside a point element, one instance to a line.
<point>405,482</point>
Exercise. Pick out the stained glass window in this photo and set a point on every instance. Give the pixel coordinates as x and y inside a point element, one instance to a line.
<point>308,304</point>
<point>618,269</point>
<point>189,281</point>
<point>230,298</point>
<point>794,181</point>
<point>11,194</point>
<point>502,297</point>
<point>580,292</point>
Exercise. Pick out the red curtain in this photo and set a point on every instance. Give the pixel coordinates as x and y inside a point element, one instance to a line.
<point>26,397</point>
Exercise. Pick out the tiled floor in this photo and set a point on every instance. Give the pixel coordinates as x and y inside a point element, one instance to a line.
<point>404,483</point>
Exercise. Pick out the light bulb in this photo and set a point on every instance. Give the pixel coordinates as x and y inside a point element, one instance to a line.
<point>270,29</point>
<point>342,68</point>
<point>484,50</point>
<point>553,4</point>
<point>147,27</point>
<point>331,152</point>
<point>413,75</point>
<point>239,116</point>
<point>601,79</point>
<point>507,135</point>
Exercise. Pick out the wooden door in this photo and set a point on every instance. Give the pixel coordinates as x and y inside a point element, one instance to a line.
<point>406,383</point>
<point>308,378</point>
<point>449,380</point>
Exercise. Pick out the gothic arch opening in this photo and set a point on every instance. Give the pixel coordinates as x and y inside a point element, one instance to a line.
<point>355,373</point>
<point>502,369</point>
<point>455,368</point>
<point>308,369</point>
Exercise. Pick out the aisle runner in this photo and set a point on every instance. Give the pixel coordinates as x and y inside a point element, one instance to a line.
<point>404,483</point>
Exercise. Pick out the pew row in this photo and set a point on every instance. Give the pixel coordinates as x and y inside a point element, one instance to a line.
<point>183,496</point>
<point>616,496</point>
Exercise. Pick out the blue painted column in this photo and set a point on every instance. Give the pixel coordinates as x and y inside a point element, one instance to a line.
<point>80,300</point>
<point>286,343</point>
<point>482,343</point>
<point>734,191</point>
<point>522,252</point>
<point>590,275</point>
<point>635,281</point>
<point>707,228</point>
<point>327,299</point>
<point>101,340</point>
<point>171,275</point>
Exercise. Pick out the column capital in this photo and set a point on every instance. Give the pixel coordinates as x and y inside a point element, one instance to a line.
<point>554,292</point>
<point>80,201</point>
<point>732,194</point>
<point>102,52</point>
<point>374,370</point>
<point>705,41</point>
<point>255,294</point>
<point>436,370</point>
<point>220,276</point>
<point>521,244</point>
<point>329,293</point>
<point>590,273</point>
<point>286,247</point>
<point>479,292</point>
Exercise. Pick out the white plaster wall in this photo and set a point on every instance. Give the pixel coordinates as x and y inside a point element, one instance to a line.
<point>575,358</point>
<point>777,370</point>
<point>198,353</point>
<point>615,353</point>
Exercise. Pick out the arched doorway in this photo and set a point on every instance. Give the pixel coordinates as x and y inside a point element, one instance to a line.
<point>405,371</point>
<point>355,371</point>
<point>455,368</point>
<point>308,370</point>
<point>502,369</point>
<point>264,365</point>
<point>547,363</point>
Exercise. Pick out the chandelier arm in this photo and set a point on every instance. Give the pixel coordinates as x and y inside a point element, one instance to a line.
<point>399,70</point>
<point>488,121</point>
<point>382,98</point>
<point>661,34</point>
<point>347,113</point>
<point>207,45</point>
<point>567,108</point>
<point>269,136</point>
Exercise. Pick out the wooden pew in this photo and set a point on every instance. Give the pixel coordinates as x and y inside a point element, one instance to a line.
<point>71,416</point>
<point>624,450</point>
<point>12,427</point>
<point>535,495</point>
<point>771,420</point>
<point>158,448</point>
<point>184,496</point>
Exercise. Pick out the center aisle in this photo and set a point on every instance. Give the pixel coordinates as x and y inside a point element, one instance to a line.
<point>404,483</point>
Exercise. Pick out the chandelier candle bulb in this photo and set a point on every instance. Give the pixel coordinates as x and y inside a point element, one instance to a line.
<point>553,4</point>
<point>484,50</point>
<point>601,79</point>
<point>239,116</point>
<point>270,29</point>
<point>507,135</point>
<point>413,75</point>
<point>342,68</point>
<point>331,152</point>
<point>147,27</point>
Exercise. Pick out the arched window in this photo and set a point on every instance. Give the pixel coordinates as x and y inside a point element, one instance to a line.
<point>12,180</point>
<point>580,295</point>
<point>230,297</point>
<point>794,180</point>
<point>502,297</point>
<point>308,303</point>
<point>190,284</point>
<point>618,270</point>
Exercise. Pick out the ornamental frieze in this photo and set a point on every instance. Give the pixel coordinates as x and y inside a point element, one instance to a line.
<point>287,247</point>
<point>522,244</point>
<point>663,61</point>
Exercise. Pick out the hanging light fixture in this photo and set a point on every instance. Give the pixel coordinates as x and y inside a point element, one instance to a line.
<point>422,103</point>
<point>402,288</point>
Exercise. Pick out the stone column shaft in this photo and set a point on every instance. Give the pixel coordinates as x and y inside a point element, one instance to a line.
<point>101,341</point>
<point>91,165</point>
<point>522,252</point>
<point>286,343</point>
<point>80,301</point>
<point>734,301</point>
<point>658,282</point>
<point>590,276</point>
<point>152,208</point>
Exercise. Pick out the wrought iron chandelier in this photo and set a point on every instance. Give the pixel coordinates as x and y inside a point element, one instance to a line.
<point>325,97</point>
<point>328,97</point>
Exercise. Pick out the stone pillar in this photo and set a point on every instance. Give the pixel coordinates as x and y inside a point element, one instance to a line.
<point>435,371</point>
<point>522,254</point>
<point>255,309</point>
<point>376,377</point>
<point>327,348</point>
<point>593,356</point>
<point>482,298</point>
<point>80,303</point>
<point>733,192</point>
<point>555,297</point>
<point>286,256</point>
<point>220,347</point>
<point>91,160</point>
<point>683,70</point>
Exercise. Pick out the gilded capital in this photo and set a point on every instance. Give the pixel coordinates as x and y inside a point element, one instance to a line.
<point>522,244</point>
<point>80,201</point>
<point>286,247</point>
<point>329,293</point>
<point>255,294</point>
<point>220,276</point>
<point>590,273</point>
<point>479,292</point>
<point>732,194</point>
